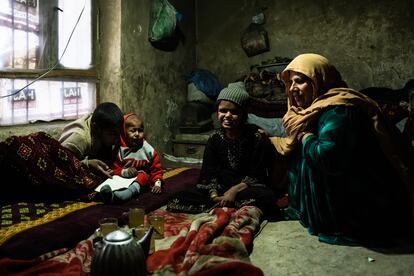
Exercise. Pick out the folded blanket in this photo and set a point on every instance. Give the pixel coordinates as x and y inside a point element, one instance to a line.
<point>218,243</point>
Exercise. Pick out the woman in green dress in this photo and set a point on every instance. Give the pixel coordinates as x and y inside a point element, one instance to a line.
<point>350,173</point>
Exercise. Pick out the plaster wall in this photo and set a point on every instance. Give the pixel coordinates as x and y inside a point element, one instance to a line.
<point>370,42</point>
<point>54,129</point>
<point>153,80</point>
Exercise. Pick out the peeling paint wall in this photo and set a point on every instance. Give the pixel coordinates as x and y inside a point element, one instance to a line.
<point>370,42</point>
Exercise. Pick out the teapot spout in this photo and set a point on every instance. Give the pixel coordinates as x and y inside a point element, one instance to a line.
<point>145,241</point>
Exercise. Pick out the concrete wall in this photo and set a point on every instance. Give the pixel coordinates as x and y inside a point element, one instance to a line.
<point>371,42</point>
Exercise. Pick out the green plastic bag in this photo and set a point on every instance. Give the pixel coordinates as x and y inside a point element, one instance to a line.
<point>162,20</point>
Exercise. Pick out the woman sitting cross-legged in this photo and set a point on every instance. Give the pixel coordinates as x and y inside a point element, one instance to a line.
<point>350,172</point>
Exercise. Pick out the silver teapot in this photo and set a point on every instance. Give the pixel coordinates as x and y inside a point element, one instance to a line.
<point>119,254</point>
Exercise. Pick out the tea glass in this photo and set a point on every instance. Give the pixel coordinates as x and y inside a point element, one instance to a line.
<point>136,217</point>
<point>108,225</point>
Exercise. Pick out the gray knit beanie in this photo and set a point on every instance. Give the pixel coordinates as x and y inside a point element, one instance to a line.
<point>236,93</point>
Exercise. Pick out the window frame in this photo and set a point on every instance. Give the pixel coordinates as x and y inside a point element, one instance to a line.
<point>59,73</point>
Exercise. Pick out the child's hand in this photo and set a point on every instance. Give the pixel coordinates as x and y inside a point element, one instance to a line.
<point>157,187</point>
<point>132,171</point>
<point>156,190</point>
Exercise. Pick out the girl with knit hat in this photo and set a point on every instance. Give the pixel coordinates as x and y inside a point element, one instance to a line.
<point>234,172</point>
<point>135,158</point>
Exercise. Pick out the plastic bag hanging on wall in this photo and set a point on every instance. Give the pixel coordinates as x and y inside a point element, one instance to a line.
<point>254,39</point>
<point>163,20</point>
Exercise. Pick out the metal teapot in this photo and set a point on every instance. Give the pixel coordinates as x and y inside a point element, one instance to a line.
<point>119,254</point>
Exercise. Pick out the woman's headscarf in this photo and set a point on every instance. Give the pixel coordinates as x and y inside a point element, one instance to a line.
<point>323,75</point>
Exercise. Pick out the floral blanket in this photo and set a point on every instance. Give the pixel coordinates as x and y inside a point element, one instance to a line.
<point>218,243</point>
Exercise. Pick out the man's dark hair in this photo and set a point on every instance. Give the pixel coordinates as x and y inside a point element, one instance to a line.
<point>108,115</point>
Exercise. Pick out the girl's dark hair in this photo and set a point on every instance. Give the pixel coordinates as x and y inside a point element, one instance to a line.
<point>108,115</point>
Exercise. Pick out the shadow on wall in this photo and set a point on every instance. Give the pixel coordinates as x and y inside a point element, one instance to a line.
<point>171,43</point>
<point>385,94</point>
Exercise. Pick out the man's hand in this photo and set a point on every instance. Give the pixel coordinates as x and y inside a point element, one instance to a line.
<point>100,167</point>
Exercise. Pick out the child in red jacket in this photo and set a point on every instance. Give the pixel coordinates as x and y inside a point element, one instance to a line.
<point>135,158</point>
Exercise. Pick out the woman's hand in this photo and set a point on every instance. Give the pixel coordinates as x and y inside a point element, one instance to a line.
<point>263,133</point>
<point>302,136</point>
<point>100,167</point>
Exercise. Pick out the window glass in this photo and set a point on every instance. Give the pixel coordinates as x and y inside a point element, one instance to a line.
<point>33,38</point>
<point>45,100</point>
<point>78,52</point>
<point>19,29</point>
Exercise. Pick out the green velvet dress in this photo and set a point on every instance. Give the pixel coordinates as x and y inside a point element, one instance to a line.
<point>341,186</point>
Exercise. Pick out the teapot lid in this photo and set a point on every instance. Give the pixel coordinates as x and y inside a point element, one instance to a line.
<point>118,236</point>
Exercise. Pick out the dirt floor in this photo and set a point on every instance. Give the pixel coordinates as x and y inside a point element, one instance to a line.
<point>286,248</point>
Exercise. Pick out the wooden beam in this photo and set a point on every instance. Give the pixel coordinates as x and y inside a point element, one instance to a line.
<point>57,73</point>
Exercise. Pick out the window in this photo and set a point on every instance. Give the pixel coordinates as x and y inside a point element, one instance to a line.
<point>46,63</point>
